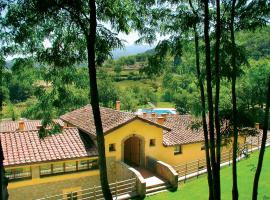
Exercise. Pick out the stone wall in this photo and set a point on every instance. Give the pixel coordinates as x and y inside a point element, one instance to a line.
<point>51,188</point>
<point>122,171</point>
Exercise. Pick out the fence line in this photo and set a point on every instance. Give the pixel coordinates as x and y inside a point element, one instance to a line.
<point>118,188</point>
<point>197,167</point>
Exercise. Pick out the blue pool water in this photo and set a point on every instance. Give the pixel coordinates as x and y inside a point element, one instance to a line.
<point>159,111</point>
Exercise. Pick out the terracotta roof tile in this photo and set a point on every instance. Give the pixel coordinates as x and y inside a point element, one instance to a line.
<point>111,119</point>
<point>8,126</point>
<point>22,147</point>
<point>180,132</point>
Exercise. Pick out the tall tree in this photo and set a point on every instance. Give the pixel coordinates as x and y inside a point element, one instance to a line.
<point>234,112</point>
<point>91,40</point>
<point>3,179</point>
<point>182,21</point>
<point>264,138</point>
<point>72,29</point>
<point>203,112</point>
<point>210,98</point>
<point>217,79</point>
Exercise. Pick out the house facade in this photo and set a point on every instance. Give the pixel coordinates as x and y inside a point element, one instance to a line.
<point>68,161</point>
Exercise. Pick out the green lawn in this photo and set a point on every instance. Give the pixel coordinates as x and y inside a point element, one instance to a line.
<point>129,83</point>
<point>197,188</point>
<point>163,104</point>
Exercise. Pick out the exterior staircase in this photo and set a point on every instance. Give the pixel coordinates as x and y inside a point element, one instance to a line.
<point>154,189</point>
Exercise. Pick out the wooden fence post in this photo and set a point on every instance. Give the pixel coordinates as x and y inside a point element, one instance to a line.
<point>185,173</point>
<point>258,142</point>
<point>95,197</point>
<point>116,189</point>
<point>229,158</point>
<point>198,168</point>
<point>251,144</point>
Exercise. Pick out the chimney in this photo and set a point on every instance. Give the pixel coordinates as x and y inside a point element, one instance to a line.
<point>160,120</point>
<point>164,115</point>
<point>117,105</point>
<point>62,127</point>
<point>144,114</point>
<point>257,125</point>
<point>21,125</point>
<point>153,114</point>
<point>65,124</point>
<point>39,127</point>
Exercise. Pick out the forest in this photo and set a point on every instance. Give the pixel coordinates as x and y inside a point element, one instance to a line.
<point>135,82</point>
<point>213,63</point>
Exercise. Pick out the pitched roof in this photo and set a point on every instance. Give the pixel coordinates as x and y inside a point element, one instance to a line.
<point>10,126</point>
<point>111,119</point>
<point>180,132</point>
<point>25,147</point>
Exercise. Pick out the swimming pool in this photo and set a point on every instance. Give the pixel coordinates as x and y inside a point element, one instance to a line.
<point>158,111</point>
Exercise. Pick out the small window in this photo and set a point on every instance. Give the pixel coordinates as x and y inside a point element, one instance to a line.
<point>152,143</point>
<point>203,147</point>
<point>177,149</point>
<point>112,147</point>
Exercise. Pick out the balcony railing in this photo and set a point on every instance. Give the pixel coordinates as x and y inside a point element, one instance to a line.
<point>68,167</point>
<point>16,175</point>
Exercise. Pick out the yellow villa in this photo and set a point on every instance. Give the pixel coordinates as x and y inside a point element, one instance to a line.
<point>67,162</point>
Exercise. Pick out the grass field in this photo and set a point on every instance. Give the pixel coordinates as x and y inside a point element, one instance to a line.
<point>163,104</point>
<point>197,188</point>
<point>129,83</point>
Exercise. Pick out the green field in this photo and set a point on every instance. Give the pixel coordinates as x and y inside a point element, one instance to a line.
<point>197,188</point>
<point>129,83</point>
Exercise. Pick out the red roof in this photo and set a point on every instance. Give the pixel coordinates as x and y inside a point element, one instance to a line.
<point>111,119</point>
<point>181,132</point>
<point>25,147</point>
<point>8,126</point>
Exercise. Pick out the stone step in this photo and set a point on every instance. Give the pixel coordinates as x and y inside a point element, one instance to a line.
<point>163,187</point>
<point>156,185</point>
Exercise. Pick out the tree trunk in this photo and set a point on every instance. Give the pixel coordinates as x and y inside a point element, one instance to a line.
<point>264,138</point>
<point>210,94</point>
<point>234,113</point>
<point>95,102</point>
<point>3,179</point>
<point>205,130</point>
<point>1,172</point>
<point>217,78</point>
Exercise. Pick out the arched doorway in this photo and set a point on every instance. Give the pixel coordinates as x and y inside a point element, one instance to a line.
<point>132,151</point>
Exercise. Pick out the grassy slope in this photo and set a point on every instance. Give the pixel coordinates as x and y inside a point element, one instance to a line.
<point>197,188</point>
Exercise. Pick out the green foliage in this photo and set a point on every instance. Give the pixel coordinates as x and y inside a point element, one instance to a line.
<point>252,85</point>
<point>128,100</point>
<point>5,79</point>
<point>108,93</point>
<point>21,83</point>
<point>118,69</point>
<point>61,98</point>
<point>255,42</point>
<point>12,113</point>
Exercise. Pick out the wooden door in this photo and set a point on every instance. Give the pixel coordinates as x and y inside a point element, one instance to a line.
<point>132,151</point>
